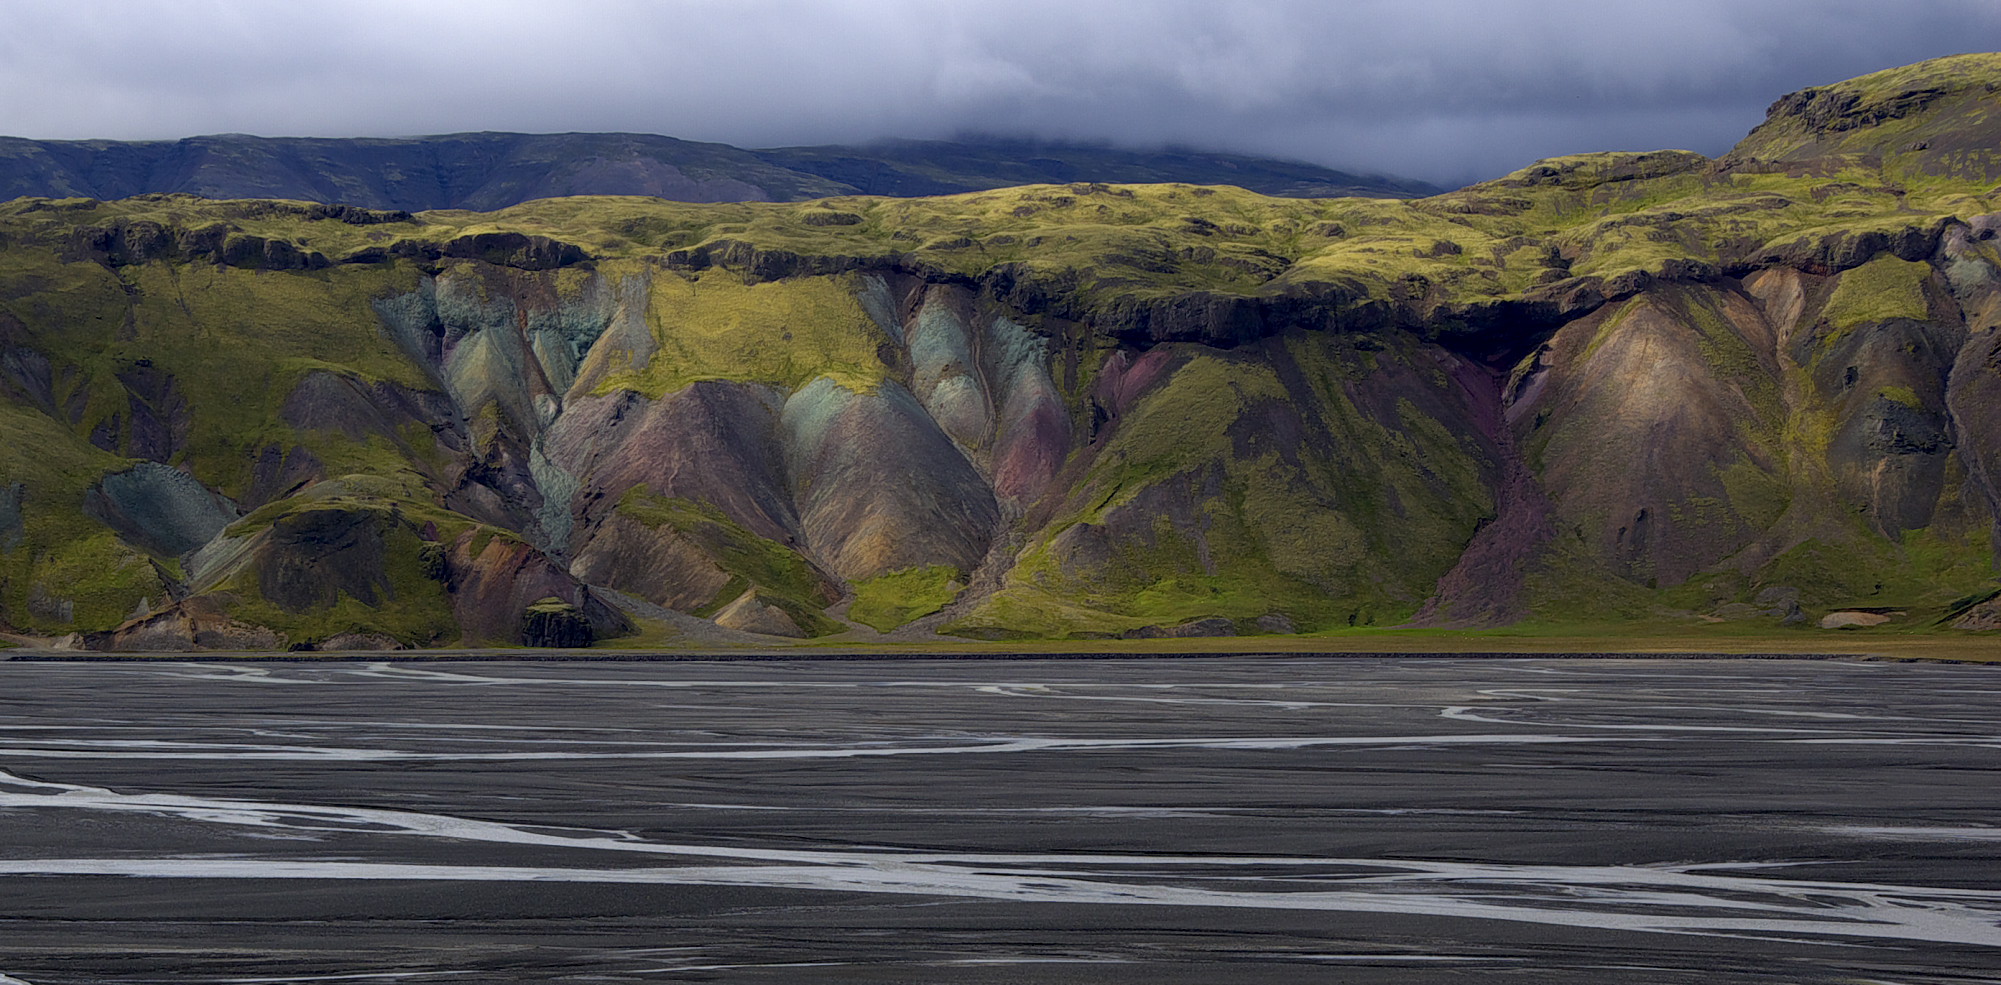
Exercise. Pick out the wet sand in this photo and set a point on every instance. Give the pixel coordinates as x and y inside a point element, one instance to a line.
<point>1244,819</point>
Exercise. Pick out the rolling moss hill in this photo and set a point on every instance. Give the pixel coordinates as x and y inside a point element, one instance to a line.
<point>1605,389</point>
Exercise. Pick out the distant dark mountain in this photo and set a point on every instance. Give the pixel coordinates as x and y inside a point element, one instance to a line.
<point>480,171</point>
<point>940,167</point>
<point>486,171</point>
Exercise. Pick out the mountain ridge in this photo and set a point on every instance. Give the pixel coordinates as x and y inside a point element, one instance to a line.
<point>492,170</point>
<point>1621,389</point>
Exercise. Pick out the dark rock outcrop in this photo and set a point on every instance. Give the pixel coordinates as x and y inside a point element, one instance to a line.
<point>1194,629</point>
<point>752,613</point>
<point>552,622</point>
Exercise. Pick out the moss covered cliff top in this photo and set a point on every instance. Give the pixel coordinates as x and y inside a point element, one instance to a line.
<point>1935,119</point>
<point>1562,235</point>
<point>1184,261</point>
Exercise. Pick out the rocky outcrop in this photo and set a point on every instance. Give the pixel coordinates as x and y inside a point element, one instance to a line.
<point>1853,620</point>
<point>495,585</point>
<point>1193,629</point>
<point>140,242</point>
<point>751,613</point>
<point>196,624</point>
<point>552,622</point>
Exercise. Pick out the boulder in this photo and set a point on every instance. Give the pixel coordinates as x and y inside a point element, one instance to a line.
<point>358,641</point>
<point>193,624</point>
<point>1213,626</point>
<point>1985,616</point>
<point>752,613</point>
<point>1788,613</point>
<point>552,622</point>
<point>1852,620</point>
<point>1777,595</point>
<point>1277,624</point>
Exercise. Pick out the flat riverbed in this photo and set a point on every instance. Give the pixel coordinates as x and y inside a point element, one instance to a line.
<point>1161,821</point>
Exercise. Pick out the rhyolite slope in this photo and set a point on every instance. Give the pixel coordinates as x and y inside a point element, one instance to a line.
<point>1614,388</point>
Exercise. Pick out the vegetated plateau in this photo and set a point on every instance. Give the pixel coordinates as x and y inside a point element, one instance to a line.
<point>1633,389</point>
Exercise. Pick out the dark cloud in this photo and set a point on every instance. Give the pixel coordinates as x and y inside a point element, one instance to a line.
<point>1445,90</point>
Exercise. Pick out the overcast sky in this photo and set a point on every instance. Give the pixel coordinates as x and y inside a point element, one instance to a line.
<point>1446,91</point>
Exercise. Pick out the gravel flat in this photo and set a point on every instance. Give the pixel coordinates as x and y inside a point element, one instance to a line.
<point>1157,821</point>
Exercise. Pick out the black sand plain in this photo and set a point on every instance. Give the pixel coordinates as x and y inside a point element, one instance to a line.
<point>1162,821</point>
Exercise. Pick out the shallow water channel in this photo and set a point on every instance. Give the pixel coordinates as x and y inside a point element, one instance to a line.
<point>1158,821</point>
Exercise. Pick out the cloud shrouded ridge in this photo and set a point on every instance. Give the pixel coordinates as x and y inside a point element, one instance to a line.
<point>1445,90</point>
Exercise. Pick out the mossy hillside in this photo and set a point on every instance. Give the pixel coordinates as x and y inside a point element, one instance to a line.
<point>233,343</point>
<point>1216,517</point>
<point>58,556</point>
<point>1106,246</point>
<point>1570,584</point>
<point>1882,289</point>
<point>1109,245</point>
<point>403,495</point>
<point>1595,215</point>
<point>714,326</point>
<point>1924,570</point>
<point>412,604</point>
<point>1808,536</point>
<point>1836,555</point>
<point>1837,558</point>
<point>238,342</point>
<point>1673,370</point>
<point>66,572</point>
<point>1083,251</point>
<point>1921,123</point>
<point>897,597</point>
<point>606,225</point>
<point>780,574</point>
<point>53,223</point>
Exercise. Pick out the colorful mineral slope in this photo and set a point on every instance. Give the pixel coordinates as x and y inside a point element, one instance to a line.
<point>1615,387</point>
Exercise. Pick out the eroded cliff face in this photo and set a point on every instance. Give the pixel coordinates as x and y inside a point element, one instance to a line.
<point>1622,387</point>
<point>1738,438</point>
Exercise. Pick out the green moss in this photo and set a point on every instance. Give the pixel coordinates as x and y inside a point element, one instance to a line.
<point>58,559</point>
<point>97,578</point>
<point>716,327</point>
<point>1234,523</point>
<point>804,614</point>
<point>1756,495</point>
<point>414,607</point>
<point>1902,395</point>
<point>233,345</point>
<point>1882,289</point>
<point>1914,122</point>
<point>895,598</point>
<point>751,561</point>
<point>1570,585</point>
<point>1829,573</point>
